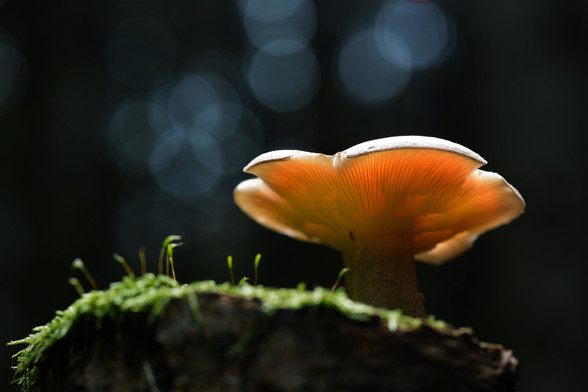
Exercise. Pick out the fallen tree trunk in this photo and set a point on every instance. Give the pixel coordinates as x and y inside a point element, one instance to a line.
<point>212,341</point>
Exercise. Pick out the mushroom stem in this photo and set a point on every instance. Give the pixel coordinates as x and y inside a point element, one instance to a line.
<point>382,272</point>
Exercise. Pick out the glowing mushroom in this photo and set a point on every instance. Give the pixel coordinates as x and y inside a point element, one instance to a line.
<point>383,203</point>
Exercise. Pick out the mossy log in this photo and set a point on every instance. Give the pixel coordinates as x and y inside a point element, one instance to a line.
<point>222,341</point>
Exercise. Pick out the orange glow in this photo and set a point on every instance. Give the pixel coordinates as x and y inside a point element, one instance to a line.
<point>432,193</point>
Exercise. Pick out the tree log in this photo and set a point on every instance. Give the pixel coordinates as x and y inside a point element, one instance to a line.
<point>234,345</point>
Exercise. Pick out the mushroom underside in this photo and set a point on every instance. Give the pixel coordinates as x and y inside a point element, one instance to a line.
<point>383,207</point>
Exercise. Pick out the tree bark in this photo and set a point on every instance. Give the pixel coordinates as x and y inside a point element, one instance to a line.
<point>234,346</point>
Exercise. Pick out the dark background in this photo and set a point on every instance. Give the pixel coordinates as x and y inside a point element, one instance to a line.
<point>125,121</point>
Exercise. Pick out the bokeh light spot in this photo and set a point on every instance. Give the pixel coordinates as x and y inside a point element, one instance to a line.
<point>220,119</point>
<point>186,166</point>
<point>283,46</point>
<point>269,11</point>
<point>280,27</point>
<point>423,27</point>
<point>207,103</point>
<point>239,150</point>
<point>244,144</point>
<point>366,76</point>
<point>284,83</point>
<point>130,136</point>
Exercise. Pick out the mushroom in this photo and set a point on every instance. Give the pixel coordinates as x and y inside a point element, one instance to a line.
<point>383,203</point>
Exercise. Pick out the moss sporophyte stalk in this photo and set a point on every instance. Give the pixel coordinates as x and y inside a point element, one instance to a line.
<point>149,294</point>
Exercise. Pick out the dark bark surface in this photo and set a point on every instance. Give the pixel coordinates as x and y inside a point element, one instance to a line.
<point>234,346</point>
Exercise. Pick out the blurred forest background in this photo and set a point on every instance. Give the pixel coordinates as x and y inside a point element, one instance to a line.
<point>124,121</point>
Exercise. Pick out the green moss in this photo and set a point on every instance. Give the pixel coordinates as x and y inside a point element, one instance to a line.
<point>149,294</point>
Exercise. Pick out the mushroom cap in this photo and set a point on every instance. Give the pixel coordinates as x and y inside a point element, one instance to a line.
<point>429,186</point>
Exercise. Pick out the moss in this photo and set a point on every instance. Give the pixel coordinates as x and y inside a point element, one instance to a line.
<point>149,294</point>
